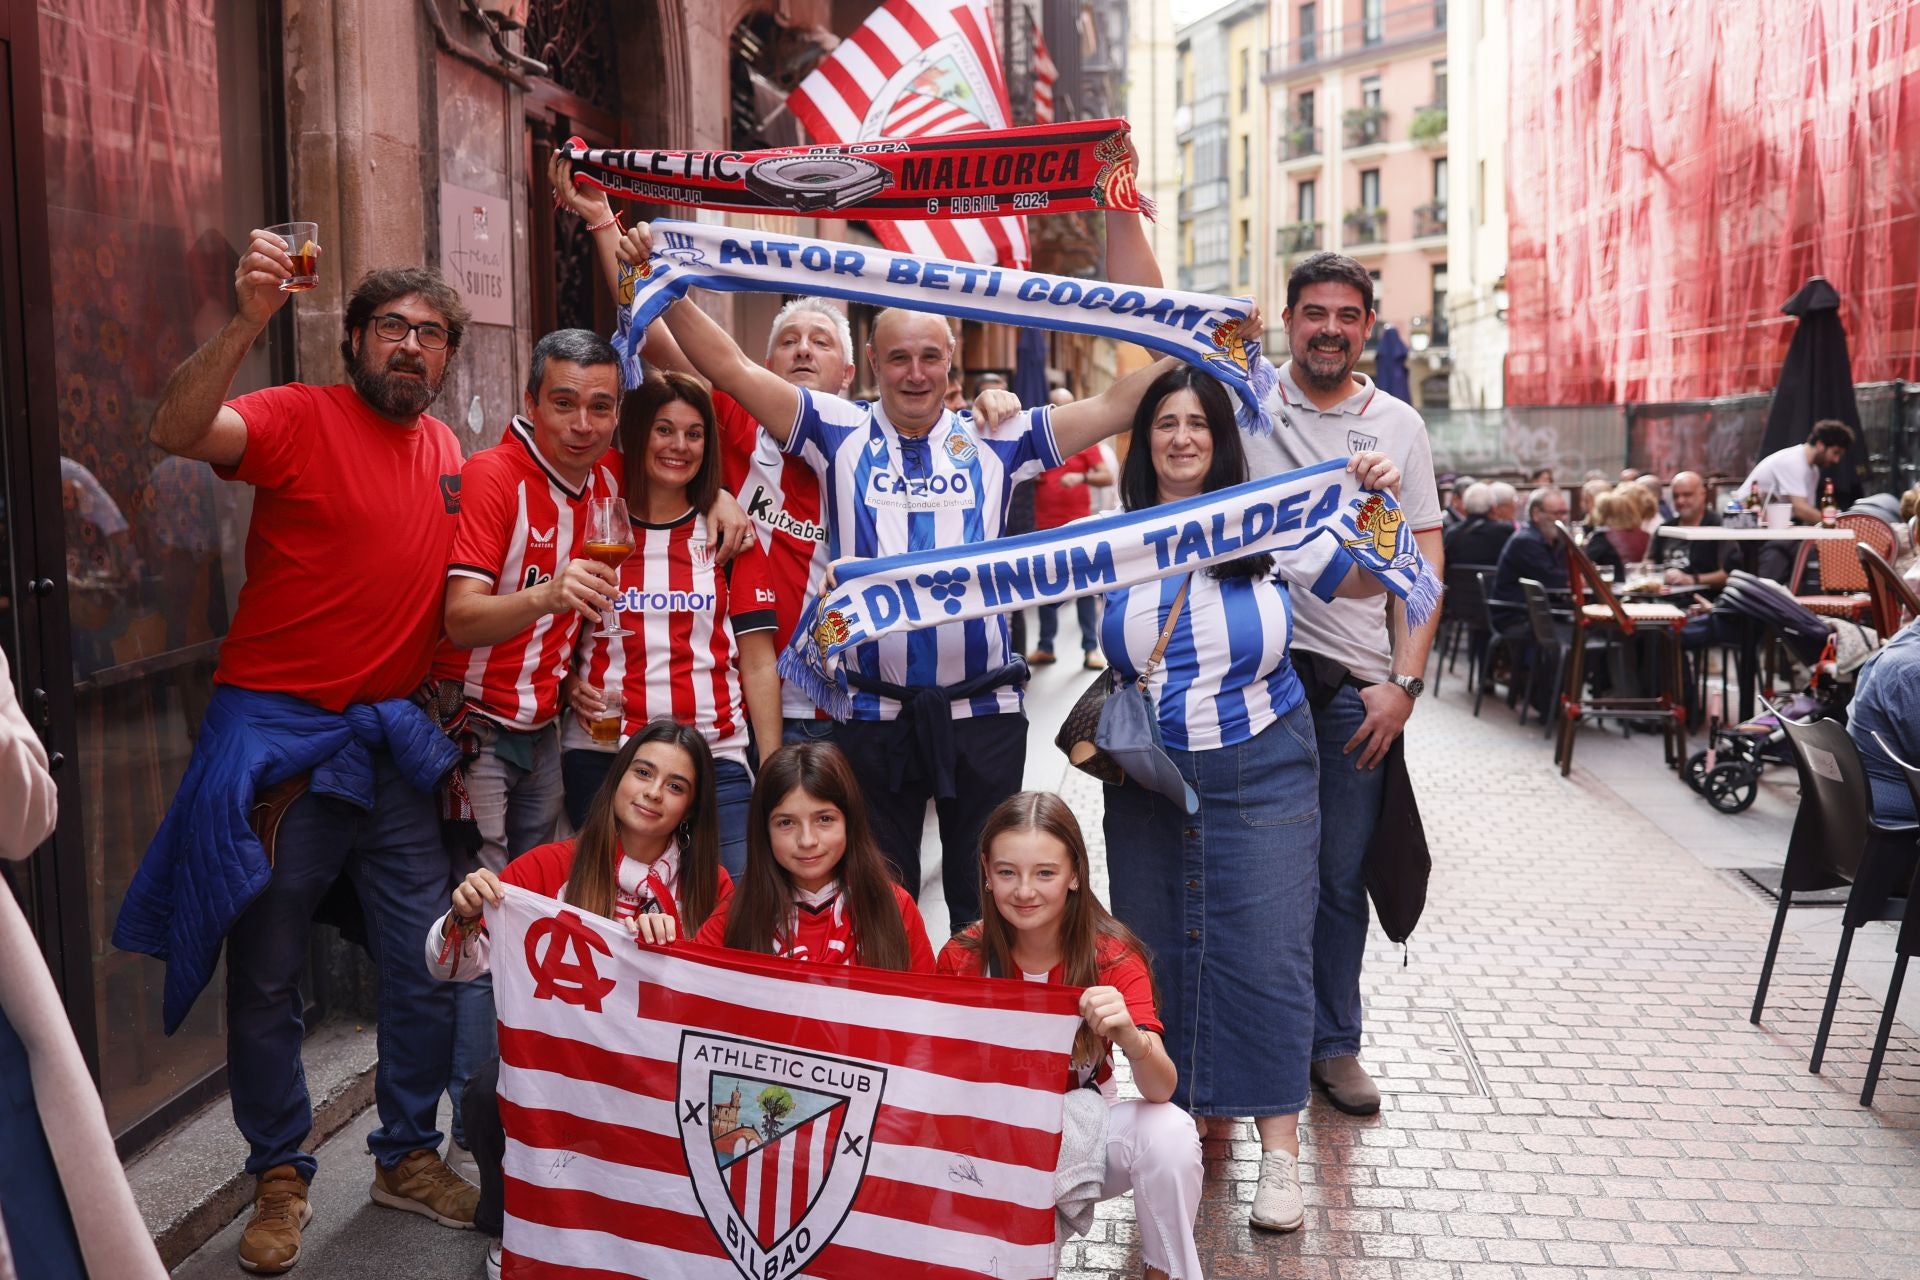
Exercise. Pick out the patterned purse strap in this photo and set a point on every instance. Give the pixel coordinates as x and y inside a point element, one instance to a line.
<point>1166,634</point>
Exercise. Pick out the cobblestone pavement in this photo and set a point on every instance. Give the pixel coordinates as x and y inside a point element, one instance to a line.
<point>1573,1090</point>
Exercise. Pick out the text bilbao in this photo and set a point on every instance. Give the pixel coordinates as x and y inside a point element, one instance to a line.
<point>1011,579</point>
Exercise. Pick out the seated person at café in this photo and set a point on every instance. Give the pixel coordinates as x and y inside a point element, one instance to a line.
<point>1489,523</point>
<point>1534,551</point>
<point>1886,701</point>
<point>1687,562</point>
<point>1622,537</point>
<point>1792,476</point>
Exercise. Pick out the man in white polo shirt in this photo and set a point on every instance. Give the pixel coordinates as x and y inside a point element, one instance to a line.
<point>1322,409</point>
<point>1792,475</point>
<point>937,713</point>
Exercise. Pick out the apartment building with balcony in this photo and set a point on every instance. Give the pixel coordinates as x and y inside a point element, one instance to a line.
<point>1219,128</point>
<point>1357,112</point>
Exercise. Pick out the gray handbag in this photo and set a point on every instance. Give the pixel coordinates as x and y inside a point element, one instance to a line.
<point>1129,729</point>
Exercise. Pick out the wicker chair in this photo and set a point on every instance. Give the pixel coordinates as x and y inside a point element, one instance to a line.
<point>1894,602</point>
<point>1844,590</point>
<point>1607,615</point>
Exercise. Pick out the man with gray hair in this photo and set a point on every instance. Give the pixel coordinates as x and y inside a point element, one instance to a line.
<point>1489,523</point>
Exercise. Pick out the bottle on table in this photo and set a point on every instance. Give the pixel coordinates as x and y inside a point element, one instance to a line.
<point>1829,513</point>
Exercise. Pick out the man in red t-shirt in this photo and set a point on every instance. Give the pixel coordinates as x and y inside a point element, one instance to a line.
<point>356,492</point>
<point>1060,496</point>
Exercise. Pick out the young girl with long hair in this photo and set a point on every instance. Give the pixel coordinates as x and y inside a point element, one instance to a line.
<point>648,856</point>
<point>1042,922</point>
<point>816,886</point>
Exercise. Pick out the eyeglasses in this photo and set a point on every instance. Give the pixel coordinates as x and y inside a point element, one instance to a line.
<point>393,328</point>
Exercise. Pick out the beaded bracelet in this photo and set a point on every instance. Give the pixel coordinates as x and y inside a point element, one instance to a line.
<point>613,220</point>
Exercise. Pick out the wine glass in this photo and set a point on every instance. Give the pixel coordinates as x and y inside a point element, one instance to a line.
<point>610,541</point>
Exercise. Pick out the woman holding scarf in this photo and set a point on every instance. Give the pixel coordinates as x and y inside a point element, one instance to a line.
<point>1224,898</point>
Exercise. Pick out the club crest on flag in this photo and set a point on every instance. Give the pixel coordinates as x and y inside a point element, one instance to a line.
<point>941,89</point>
<point>777,1142</point>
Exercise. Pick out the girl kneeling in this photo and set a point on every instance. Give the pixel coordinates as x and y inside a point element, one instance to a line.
<point>817,887</point>
<point>1043,923</point>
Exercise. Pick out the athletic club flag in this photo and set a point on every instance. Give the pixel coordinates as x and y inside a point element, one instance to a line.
<point>1044,76</point>
<point>689,1113</point>
<point>914,69</point>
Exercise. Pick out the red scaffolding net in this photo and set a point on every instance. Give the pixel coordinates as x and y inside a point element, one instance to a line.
<point>1677,169</point>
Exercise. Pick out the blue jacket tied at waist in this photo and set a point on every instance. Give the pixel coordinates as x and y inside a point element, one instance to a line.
<point>205,863</point>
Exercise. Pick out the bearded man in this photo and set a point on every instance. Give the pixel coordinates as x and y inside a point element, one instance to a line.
<point>356,497</point>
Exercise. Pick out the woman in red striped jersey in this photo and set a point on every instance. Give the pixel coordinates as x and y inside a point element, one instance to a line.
<point>816,886</point>
<point>701,645</point>
<point>1043,923</point>
<point>648,855</point>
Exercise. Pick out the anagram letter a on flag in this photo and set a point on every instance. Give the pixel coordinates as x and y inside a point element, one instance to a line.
<point>723,1116</point>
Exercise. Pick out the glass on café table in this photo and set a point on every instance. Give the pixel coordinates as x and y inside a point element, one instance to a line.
<point>302,240</point>
<point>610,541</point>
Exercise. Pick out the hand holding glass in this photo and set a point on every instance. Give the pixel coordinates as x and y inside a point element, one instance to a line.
<point>302,241</point>
<point>609,541</point>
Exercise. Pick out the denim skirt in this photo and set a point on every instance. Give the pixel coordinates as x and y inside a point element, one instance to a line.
<point>1225,899</point>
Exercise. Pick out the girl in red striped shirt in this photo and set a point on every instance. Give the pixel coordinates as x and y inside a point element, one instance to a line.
<point>1043,923</point>
<point>816,886</point>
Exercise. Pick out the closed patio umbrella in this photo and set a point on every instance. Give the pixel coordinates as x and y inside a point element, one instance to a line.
<point>1816,383</point>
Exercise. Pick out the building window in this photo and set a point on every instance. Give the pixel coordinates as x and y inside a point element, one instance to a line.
<point>1245,76</point>
<point>1303,110</point>
<point>1306,201</point>
<point>1246,163</point>
<point>1369,190</point>
<point>1440,179</point>
<point>1244,273</point>
<point>1373,21</point>
<point>1370,93</point>
<point>1438,326</point>
<point>1309,32</point>
<point>1439,82</point>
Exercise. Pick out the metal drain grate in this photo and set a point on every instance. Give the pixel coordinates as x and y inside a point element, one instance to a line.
<point>1767,881</point>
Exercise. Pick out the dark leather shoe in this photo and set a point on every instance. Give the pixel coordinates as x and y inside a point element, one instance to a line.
<point>1348,1085</point>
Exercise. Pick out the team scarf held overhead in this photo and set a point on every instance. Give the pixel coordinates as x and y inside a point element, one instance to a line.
<point>1318,517</point>
<point>1063,168</point>
<point>1201,329</point>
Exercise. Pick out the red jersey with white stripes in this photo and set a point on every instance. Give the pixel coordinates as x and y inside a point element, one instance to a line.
<point>681,660</point>
<point>782,498</point>
<point>519,525</point>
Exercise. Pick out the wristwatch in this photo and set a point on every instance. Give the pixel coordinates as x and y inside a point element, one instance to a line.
<point>1413,685</point>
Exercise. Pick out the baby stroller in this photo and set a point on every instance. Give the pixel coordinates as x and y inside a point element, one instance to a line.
<point>1728,772</point>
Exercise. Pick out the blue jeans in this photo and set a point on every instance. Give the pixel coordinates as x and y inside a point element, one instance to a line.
<point>400,870</point>
<point>33,1205</point>
<point>1340,927</point>
<point>732,789</point>
<point>516,809</point>
<point>1224,899</point>
<point>1088,609</point>
<point>794,730</point>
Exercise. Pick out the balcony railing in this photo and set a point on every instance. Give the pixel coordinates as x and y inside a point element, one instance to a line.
<point>1299,142</point>
<point>1299,237</point>
<point>1363,39</point>
<point>1366,226</point>
<point>1365,126</point>
<point>1430,219</point>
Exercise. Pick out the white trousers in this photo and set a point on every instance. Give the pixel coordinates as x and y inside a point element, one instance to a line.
<point>1154,1151</point>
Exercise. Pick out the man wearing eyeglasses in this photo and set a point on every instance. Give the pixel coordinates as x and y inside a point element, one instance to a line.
<point>313,742</point>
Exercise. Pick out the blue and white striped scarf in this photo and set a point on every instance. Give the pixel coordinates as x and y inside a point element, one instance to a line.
<point>1318,518</point>
<point>1199,328</point>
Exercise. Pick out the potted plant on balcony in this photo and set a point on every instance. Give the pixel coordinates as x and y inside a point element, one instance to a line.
<point>1429,125</point>
<point>1365,125</point>
<point>1300,141</point>
<point>1365,224</point>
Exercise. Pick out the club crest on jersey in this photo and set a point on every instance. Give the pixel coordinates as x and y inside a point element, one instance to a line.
<point>960,447</point>
<point>777,1142</point>
<point>1358,443</point>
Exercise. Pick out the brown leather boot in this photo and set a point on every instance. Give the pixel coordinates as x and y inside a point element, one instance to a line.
<point>271,1242</point>
<point>423,1184</point>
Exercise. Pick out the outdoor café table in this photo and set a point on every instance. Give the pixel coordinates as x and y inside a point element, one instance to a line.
<point>1750,541</point>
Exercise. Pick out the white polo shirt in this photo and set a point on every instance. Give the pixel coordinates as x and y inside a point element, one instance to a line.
<point>1352,632</point>
<point>1785,473</point>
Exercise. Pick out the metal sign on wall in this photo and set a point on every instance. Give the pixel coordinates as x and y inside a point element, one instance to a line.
<point>475,234</point>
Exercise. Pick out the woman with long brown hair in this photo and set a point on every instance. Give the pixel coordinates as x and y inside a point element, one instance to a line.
<point>1042,922</point>
<point>817,886</point>
<point>648,855</point>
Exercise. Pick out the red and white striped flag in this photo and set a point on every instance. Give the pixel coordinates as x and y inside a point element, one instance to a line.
<point>689,1113</point>
<point>914,69</point>
<point>1045,74</point>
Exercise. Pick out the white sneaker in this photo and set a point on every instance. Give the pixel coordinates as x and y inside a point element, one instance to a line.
<point>461,1161</point>
<point>1276,1203</point>
<point>493,1261</point>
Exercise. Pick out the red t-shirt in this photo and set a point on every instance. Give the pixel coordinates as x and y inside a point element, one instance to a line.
<point>1054,503</point>
<point>781,495</point>
<point>823,936</point>
<point>685,614</point>
<point>520,523</point>
<point>1120,967</point>
<point>347,548</point>
<point>544,869</point>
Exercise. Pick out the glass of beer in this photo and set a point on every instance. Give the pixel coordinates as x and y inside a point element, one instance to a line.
<point>605,728</point>
<point>303,243</point>
<point>610,541</point>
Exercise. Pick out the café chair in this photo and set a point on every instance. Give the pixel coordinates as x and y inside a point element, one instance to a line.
<point>1552,639</point>
<point>1907,944</point>
<point>1894,601</point>
<point>1463,612</point>
<point>1844,586</point>
<point>1480,675</point>
<point>1607,616</point>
